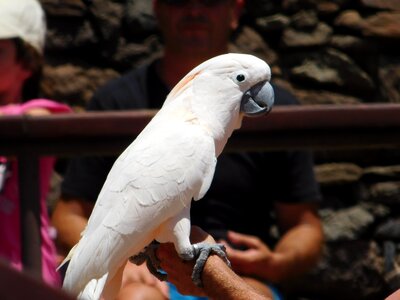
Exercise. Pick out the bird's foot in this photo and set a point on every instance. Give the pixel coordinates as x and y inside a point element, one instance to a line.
<point>202,252</point>
<point>149,256</point>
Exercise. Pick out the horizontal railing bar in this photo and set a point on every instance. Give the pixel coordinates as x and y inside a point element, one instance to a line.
<point>304,126</point>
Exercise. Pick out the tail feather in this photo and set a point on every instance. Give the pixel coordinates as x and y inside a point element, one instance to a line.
<point>93,289</point>
<point>68,258</point>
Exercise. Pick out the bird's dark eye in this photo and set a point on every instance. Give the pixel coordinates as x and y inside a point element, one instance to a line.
<point>240,77</point>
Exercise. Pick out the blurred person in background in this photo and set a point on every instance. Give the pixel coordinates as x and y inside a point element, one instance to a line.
<point>250,191</point>
<point>22,35</point>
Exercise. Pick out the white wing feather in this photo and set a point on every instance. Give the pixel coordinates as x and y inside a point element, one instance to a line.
<point>153,180</point>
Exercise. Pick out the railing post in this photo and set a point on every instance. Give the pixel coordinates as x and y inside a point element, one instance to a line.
<point>29,188</point>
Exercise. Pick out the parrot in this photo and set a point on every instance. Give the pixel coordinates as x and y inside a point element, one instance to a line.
<point>147,195</point>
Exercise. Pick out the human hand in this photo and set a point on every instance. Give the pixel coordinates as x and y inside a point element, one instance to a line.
<point>37,111</point>
<point>180,271</point>
<point>141,274</point>
<point>255,260</point>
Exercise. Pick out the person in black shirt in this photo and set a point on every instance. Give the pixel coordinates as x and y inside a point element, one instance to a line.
<point>236,208</point>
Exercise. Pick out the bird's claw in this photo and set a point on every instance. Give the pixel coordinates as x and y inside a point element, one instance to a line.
<point>153,263</point>
<point>203,251</point>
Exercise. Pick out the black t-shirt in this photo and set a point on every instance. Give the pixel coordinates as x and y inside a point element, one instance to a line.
<point>245,185</point>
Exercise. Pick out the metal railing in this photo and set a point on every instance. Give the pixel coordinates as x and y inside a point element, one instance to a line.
<point>286,127</point>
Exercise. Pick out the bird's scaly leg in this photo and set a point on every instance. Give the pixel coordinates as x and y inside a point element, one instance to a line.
<point>202,251</point>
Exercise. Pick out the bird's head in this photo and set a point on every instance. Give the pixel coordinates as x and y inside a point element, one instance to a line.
<point>223,89</point>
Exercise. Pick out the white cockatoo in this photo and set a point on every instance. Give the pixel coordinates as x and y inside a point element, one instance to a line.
<point>148,192</point>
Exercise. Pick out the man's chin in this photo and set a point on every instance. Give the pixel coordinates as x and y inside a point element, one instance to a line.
<point>196,43</point>
<point>197,50</point>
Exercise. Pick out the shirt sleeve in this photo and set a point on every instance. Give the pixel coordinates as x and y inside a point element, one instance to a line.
<point>291,177</point>
<point>296,181</point>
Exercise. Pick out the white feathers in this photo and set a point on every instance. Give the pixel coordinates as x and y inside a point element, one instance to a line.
<point>148,191</point>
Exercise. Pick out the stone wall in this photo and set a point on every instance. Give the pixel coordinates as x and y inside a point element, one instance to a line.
<point>325,52</point>
<point>343,51</point>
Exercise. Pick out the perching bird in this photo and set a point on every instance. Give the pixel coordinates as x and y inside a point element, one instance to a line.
<point>148,191</point>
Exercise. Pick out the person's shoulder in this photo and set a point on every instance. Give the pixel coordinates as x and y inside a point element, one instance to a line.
<point>125,92</point>
<point>131,78</point>
<point>283,96</point>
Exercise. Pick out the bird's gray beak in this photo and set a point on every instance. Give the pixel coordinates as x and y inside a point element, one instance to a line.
<point>258,100</point>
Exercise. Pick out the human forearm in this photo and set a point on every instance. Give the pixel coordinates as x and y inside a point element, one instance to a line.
<point>300,245</point>
<point>69,218</point>
<point>297,252</point>
<point>220,282</point>
<point>68,232</point>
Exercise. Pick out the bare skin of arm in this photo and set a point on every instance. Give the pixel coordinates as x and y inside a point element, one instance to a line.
<point>299,223</point>
<point>70,217</point>
<point>290,258</point>
<point>394,296</point>
<point>220,282</point>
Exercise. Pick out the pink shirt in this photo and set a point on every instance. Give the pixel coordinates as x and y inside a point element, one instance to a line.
<point>10,246</point>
